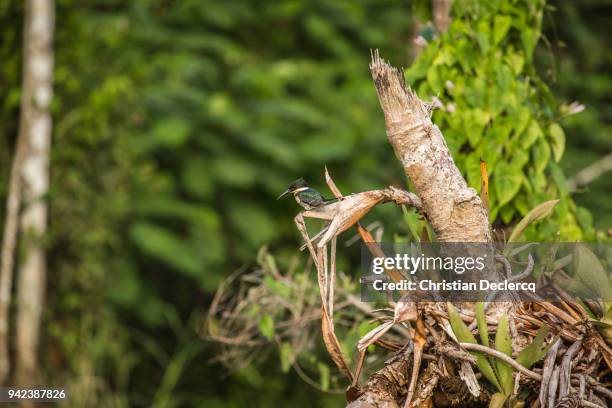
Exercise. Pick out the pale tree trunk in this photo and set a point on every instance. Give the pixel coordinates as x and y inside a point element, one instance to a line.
<point>441,12</point>
<point>9,240</point>
<point>37,93</point>
<point>454,210</point>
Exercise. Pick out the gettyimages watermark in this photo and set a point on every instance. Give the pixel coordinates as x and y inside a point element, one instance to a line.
<point>493,272</point>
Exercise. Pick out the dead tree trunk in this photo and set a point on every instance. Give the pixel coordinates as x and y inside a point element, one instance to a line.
<point>37,93</point>
<point>455,210</point>
<point>441,13</point>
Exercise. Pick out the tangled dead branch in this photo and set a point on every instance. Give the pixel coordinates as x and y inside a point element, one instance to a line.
<point>291,302</point>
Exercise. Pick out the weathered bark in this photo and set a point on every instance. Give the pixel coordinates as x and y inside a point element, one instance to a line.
<point>441,10</point>
<point>9,240</point>
<point>387,386</point>
<point>37,93</point>
<point>454,210</point>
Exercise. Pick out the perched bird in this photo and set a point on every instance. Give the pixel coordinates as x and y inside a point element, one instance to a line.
<point>305,196</point>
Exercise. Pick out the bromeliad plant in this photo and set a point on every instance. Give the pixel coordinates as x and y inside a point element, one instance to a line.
<point>497,371</point>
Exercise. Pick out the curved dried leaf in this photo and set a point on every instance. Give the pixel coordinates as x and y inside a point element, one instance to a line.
<point>333,345</point>
<point>332,185</point>
<point>539,212</point>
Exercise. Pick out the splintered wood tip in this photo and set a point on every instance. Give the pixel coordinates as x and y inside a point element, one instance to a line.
<point>378,64</point>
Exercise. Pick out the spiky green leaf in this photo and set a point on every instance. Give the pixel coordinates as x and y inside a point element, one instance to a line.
<point>503,344</point>
<point>481,320</point>
<point>465,336</point>
<point>534,351</point>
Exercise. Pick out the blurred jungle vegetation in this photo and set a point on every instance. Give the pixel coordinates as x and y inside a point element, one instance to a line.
<point>177,123</point>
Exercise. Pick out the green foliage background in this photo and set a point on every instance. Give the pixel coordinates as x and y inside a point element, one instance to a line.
<point>498,109</point>
<point>176,124</point>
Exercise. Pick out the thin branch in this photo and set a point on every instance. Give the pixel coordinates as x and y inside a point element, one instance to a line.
<point>503,357</point>
<point>589,404</point>
<point>593,171</point>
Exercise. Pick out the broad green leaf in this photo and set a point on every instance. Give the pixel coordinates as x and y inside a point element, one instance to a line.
<point>507,213</point>
<point>590,272</point>
<point>413,221</point>
<point>459,328</point>
<point>521,120</point>
<point>501,25</point>
<point>561,183</point>
<point>507,183</point>
<point>519,159</point>
<point>529,37</point>
<point>323,375</point>
<point>475,122</point>
<point>503,344</point>
<point>465,336</point>
<point>170,133</point>
<point>531,134</point>
<point>475,92</point>
<point>504,79</point>
<point>558,140</point>
<point>539,212</point>
<point>163,244</point>
<point>481,320</point>
<point>233,170</point>
<point>364,328</point>
<point>584,217</point>
<point>541,156</point>
<point>520,202</point>
<point>252,222</point>
<point>483,32</point>
<point>537,180</point>
<point>517,61</point>
<point>434,80</point>
<point>472,168</point>
<point>497,400</point>
<point>279,288</point>
<point>533,352</point>
<point>266,326</point>
<point>286,356</point>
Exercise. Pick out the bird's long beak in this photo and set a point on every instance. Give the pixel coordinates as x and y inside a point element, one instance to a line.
<point>284,194</point>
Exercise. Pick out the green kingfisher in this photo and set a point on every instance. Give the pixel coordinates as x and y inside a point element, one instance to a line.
<point>305,196</point>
